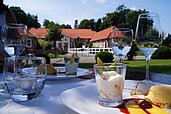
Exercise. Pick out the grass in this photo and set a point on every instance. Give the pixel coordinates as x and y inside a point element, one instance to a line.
<point>157,66</point>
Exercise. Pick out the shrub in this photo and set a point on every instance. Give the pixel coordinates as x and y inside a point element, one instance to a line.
<point>45,56</point>
<point>62,52</point>
<point>162,53</point>
<point>105,56</point>
<point>48,47</point>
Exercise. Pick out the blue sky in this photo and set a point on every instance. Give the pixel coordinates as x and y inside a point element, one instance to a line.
<point>67,11</point>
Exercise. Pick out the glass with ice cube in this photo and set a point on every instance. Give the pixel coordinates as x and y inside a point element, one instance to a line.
<point>24,77</point>
<point>110,83</point>
<point>71,66</point>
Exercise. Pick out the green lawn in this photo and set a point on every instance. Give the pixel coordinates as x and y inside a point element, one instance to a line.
<point>157,66</point>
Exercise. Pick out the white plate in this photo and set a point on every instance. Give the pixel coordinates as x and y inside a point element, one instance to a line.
<point>84,100</point>
<point>61,75</point>
<point>80,72</point>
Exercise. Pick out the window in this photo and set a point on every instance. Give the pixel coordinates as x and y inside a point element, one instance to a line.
<point>29,43</point>
<point>60,45</point>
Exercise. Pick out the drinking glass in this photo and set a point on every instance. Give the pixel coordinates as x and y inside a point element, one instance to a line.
<point>148,37</point>
<point>71,65</point>
<point>2,98</point>
<point>24,77</point>
<point>122,42</point>
<point>110,83</point>
<point>14,38</point>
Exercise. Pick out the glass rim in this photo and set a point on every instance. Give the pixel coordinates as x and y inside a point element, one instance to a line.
<point>25,58</point>
<point>122,29</point>
<point>148,15</point>
<point>14,26</point>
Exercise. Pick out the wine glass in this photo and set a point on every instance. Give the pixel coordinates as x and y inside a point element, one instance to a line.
<point>14,38</point>
<point>148,38</point>
<point>122,42</point>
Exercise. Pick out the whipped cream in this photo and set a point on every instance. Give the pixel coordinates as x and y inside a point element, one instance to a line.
<point>110,84</point>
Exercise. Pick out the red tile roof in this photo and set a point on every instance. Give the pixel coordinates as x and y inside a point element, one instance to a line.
<point>30,35</point>
<point>104,34</point>
<point>72,33</point>
<point>39,32</point>
<point>82,33</point>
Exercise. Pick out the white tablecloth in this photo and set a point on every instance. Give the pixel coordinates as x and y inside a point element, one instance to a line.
<point>49,102</point>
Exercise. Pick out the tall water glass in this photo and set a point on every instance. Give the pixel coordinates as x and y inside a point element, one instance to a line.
<point>14,38</point>
<point>148,37</point>
<point>24,77</point>
<point>122,42</point>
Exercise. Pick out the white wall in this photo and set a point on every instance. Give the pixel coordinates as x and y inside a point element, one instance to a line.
<point>64,40</point>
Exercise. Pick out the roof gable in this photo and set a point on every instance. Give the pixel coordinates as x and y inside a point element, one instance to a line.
<point>39,32</point>
<point>103,34</point>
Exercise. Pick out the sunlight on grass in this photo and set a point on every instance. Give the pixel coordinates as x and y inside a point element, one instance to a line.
<point>157,66</point>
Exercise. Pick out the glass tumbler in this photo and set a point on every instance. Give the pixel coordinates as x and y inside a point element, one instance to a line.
<point>71,66</point>
<point>24,77</point>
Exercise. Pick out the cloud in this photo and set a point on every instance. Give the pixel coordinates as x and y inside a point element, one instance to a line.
<point>84,1</point>
<point>134,8</point>
<point>101,1</point>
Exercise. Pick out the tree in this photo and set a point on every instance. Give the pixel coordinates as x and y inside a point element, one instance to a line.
<point>87,24</point>
<point>54,34</point>
<point>121,17</point>
<point>20,15</point>
<point>47,23</point>
<point>66,26</point>
<point>97,25</point>
<point>43,43</point>
<point>167,41</point>
<point>27,19</point>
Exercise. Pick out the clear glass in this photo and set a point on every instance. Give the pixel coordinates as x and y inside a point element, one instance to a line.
<point>71,66</point>
<point>24,77</point>
<point>14,38</point>
<point>2,93</point>
<point>110,83</point>
<point>148,37</point>
<point>122,42</point>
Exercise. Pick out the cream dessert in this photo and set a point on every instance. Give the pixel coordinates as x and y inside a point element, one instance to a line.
<point>110,84</point>
<point>71,68</point>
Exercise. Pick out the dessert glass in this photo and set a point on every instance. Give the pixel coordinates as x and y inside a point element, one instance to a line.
<point>71,66</point>
<point>110,83</point>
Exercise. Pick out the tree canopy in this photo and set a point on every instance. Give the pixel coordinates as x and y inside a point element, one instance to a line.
<point>27,19</point>
<point>121,17</point>
<point>54,33</point>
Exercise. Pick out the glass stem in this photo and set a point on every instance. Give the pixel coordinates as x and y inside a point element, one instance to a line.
<point>147,70</point>
<point>120,60</point>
